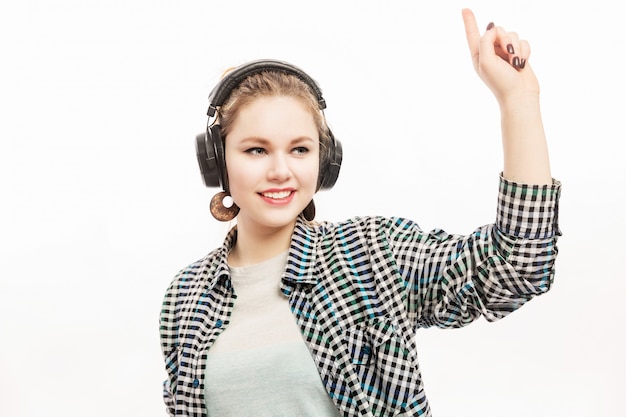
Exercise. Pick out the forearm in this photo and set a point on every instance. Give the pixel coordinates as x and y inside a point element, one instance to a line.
<point>501,60</point>
<point>524,143</point>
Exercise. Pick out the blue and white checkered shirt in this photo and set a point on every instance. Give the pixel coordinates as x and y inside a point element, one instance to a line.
<point>360,289</point>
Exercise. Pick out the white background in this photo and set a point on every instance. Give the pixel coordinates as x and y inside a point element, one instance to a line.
<point>102,201</point>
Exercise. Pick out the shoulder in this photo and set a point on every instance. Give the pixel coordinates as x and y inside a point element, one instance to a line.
<point>363,228</point>
<point>369,223</point>
<point>195,274</point>
<point>205,269</point>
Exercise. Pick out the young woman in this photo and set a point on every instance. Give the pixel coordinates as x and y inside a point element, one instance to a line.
<point>291,317</point>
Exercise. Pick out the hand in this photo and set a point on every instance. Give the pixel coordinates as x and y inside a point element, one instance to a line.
<point>501,60</point>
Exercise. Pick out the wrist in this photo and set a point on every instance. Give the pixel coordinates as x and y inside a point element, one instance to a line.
<point>519,102</point>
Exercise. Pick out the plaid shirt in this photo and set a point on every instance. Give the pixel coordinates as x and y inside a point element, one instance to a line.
<point>359,289</point>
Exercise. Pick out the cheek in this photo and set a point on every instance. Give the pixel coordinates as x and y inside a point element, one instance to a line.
<point>236,177</point>
<point>312,174</point>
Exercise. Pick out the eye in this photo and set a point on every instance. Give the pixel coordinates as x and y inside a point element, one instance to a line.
<point>300,150</point>
<point>255,151</point>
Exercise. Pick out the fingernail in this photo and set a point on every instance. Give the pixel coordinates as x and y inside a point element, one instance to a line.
<point>522,64</point>
<point>490,26</point>
<point>509,49</point>
<point>516,62</point>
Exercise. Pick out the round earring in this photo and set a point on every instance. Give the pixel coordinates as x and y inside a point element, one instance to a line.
<point>220,211</point>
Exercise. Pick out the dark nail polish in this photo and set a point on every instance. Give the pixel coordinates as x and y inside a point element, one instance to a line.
<point>516,62</point>
<point>490,26</point>
<point>522,64</point>
<point>509,49</point>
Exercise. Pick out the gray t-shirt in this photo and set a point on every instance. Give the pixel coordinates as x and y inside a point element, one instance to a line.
<point>260,366</point>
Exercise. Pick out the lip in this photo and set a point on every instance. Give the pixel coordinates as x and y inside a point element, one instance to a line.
<point>278,196</point>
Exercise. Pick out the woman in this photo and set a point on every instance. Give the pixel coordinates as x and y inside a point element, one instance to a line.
<point>292,317</point>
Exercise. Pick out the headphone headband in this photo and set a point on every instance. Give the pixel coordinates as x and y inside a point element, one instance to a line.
<point>231,80</point>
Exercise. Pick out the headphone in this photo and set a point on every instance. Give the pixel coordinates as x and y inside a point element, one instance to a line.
<point>210,144</point>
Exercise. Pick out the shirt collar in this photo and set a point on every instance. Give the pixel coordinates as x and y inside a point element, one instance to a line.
<point>300,261</point>
<point>302,254</point>
<point>216,264</point>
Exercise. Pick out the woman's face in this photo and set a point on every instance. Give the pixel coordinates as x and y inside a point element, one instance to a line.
<point>272,158</point>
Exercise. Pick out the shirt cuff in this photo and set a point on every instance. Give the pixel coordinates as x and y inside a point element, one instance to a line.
<point>528,211</point>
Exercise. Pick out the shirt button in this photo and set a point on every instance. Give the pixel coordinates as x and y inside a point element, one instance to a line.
<point>219,323</point>
<point>196,383</point>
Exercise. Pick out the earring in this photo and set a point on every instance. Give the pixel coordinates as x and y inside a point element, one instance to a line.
<point>309,211</point>
<point>220,211</point>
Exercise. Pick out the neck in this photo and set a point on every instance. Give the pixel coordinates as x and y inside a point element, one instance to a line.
<point>254,246</point>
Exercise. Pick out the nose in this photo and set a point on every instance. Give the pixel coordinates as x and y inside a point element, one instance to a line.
<point>279,170</point>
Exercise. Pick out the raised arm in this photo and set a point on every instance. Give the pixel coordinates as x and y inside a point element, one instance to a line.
<point>501,60</point>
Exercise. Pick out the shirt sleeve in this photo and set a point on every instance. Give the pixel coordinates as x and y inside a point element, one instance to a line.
<point>168,331</point>
<point>168,398</point>
<point>451,280</point>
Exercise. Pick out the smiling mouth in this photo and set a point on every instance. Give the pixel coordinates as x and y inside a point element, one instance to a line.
<point>277,195</point>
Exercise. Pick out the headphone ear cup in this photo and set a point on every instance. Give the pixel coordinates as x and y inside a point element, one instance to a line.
<point>217,141</point>
<point>206,160</point>
<point>330,171</point>
<point>210,154</point>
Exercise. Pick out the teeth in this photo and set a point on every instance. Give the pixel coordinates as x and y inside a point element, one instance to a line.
<point>277,195</point>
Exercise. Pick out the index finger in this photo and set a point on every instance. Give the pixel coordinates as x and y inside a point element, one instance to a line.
<point>471,33</point>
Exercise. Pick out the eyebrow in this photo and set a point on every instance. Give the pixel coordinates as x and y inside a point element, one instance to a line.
<point>264,141</point>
